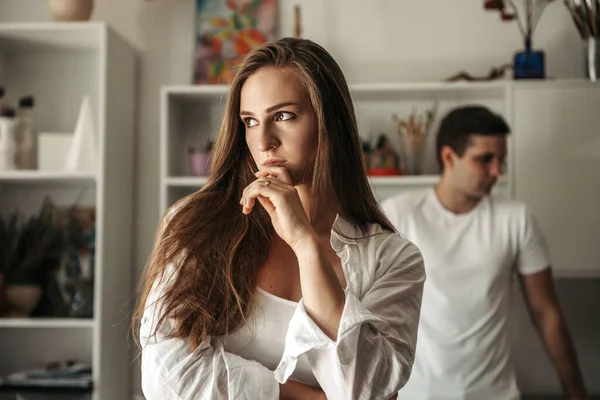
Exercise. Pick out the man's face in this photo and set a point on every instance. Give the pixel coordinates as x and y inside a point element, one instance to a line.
<point>478,170</point>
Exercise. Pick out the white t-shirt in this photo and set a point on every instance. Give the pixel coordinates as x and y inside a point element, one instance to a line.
<point>463,346</point>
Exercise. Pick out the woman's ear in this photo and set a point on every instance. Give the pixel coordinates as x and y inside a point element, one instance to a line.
<point>448,157</point>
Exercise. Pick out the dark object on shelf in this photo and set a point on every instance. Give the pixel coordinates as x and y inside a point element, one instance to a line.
<point>3,301</point>
<point>384,160</point>
<point>495,73</point>
<point>58,380</point>
<point>367,150</point>
<point>529,63</point>
<point>38,393</point>
<point>30,249</point>
<point>82,303</point>
<point>27,101</point>
<point>7,111</point>
<point>29,252</point>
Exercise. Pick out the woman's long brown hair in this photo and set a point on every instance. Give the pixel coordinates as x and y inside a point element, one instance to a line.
<point>214,249</point>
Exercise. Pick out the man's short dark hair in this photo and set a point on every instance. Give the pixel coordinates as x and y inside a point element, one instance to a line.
<point>462,122</point>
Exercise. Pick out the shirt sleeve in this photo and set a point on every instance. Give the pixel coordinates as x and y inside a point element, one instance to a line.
<point>171,371</point>
<point>533,255</point>
<point>373,355</point>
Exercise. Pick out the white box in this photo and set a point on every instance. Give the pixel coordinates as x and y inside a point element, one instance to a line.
<point>53,149</point>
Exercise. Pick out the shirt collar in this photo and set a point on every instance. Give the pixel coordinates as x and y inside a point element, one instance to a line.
<point>343,233</point>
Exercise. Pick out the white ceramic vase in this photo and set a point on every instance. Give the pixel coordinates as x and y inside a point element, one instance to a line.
<point>71,10</point>
<point>8,146</point>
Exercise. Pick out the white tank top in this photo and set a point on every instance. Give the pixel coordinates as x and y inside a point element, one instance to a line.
<point>262,338</point>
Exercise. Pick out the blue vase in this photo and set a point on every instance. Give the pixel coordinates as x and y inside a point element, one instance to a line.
<point>529,64</point>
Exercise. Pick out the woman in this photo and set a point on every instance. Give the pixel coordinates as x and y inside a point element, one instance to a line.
<point>281,278</point>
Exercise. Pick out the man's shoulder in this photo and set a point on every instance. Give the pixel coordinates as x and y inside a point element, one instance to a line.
<point>405,201</point>
<point>507,207</point>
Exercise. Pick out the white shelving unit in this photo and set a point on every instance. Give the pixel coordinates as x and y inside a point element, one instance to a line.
<point>190,115</point>
<point>46,323</point>
<point>59,64</point>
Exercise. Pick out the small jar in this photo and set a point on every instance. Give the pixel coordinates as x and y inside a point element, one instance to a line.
<point>26,137</point>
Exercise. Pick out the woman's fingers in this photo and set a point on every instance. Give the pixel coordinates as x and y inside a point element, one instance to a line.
<point>266,203</point>
<point>263,187</point>
<point>280,173</point>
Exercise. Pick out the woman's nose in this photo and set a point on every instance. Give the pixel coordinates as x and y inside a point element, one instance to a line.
<point>268,139</point>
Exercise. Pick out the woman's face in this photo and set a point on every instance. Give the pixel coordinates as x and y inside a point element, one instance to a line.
<point>281,126</point>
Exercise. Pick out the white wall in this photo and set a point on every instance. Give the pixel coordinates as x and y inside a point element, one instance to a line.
<point>377,40</point>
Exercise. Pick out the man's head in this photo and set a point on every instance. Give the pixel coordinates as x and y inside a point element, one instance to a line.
<point>471,149</point>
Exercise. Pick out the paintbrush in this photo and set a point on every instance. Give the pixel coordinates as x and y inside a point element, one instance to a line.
<point>582,13</point>
<point>576,18</point>
<point>592,12</point>
<point>597,3</point>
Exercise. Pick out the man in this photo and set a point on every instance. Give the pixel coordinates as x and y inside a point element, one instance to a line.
<point>472,243</point>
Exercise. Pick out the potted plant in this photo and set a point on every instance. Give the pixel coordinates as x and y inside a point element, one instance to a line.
<point>29,251</point>
<point>199,160</point>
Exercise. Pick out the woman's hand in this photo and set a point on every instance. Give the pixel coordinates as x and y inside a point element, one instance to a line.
<point>292,390</point>
<point>276,193</point>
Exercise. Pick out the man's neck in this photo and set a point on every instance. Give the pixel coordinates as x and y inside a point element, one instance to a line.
<point>454,200</point>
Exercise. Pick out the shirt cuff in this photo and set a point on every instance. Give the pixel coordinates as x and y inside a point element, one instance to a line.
<point>304,334</point>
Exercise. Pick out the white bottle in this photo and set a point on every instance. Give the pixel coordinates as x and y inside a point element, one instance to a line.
<point>8,146</point>
<point>26,137</point>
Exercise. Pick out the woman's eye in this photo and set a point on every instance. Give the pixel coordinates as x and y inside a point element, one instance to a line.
<point>250,122</point>
<point>284,116</point>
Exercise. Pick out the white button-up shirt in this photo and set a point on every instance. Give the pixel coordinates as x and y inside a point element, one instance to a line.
<point>371,359</point>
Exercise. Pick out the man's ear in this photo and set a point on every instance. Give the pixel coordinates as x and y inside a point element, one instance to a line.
<point>448,157</point>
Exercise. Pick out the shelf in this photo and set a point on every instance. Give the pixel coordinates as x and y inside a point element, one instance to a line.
<point>415,180</point>
<point>197,91</point>
<point>420,180</point>
<point>24,37</point>
<point>46,323</point>
<point>413,90</point>
<point>50,177</point>
<point>186,181</point>
<point>195,181</point>
<point>408,180</point>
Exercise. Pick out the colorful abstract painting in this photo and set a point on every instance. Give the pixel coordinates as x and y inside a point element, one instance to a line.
<point>226,30</point>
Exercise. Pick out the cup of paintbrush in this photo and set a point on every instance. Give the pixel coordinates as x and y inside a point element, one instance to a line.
<point>586,16</point>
